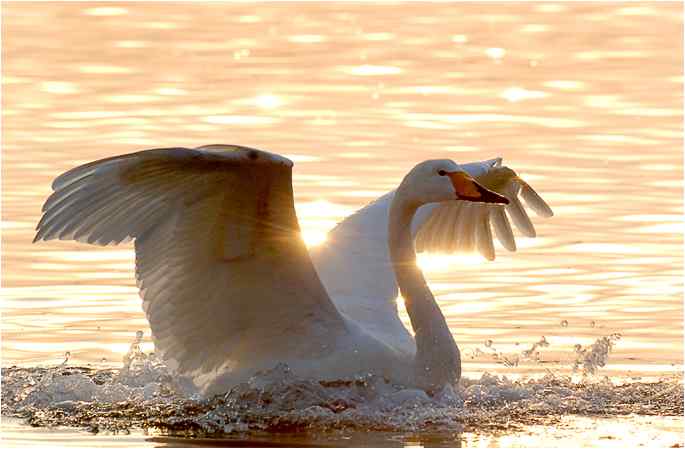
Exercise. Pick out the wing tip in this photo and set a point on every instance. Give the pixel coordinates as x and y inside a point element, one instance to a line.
<point>510,247</point>
<point>489,256</point>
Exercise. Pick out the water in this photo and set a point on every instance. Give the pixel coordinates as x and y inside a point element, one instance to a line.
<point>278,406</point>
<point>583,101</point>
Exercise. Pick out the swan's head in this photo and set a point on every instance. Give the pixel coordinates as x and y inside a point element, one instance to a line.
<point>439,180</point>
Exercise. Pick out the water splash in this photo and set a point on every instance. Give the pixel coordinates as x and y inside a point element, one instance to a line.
<point>135,357</point>
<point>595,356</point>
<point>509,360</point>
<point>143,394</point>
<point>532,352</point>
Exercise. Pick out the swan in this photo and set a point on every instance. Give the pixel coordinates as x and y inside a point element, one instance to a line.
<point>230,289</point>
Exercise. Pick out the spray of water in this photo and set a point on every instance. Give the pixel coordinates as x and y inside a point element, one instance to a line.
<point>144,394</point>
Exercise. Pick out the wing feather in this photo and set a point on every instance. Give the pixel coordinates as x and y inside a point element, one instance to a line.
<point>450,235</point>
<point>484,234</point>
<point>535,202</point>
<point>518,213</point>
<point>503,229</point>
<point>466,227</point>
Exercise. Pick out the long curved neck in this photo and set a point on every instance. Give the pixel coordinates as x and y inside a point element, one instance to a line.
<point>437,356</point>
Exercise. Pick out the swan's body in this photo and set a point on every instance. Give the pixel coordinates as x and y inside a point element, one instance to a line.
<point>228,285</point>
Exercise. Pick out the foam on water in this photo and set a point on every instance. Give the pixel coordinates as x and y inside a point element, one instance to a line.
<point>143,394</point>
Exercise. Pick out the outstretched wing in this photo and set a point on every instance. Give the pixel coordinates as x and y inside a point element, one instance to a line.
<point>460,226</point>
<point>354,262</point>
<point>219,260</point>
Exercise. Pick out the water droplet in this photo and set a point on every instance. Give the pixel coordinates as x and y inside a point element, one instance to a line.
<point>139,335</point>
<point>488,343</point>
<point>564,323</point>
<point>592,323</point>
<point>511,360</point>
<point>104,360</point>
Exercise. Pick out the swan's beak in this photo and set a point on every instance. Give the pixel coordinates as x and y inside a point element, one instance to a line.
<point>468,189</point>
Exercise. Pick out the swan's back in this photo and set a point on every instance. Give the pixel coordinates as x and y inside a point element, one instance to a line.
<point>354,266</point>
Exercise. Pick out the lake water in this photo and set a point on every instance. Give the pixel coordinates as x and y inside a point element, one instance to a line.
<point>584,101</point>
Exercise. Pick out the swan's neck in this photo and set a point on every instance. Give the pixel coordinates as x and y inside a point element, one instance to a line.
<point>437,356</point>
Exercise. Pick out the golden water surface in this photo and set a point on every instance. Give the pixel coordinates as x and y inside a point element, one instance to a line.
<point>583,100</point>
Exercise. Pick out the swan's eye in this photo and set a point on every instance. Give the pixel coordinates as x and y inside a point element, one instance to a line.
<point>442,172</point>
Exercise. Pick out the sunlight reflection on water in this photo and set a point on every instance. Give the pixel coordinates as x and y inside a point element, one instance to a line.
<point>356,96</point>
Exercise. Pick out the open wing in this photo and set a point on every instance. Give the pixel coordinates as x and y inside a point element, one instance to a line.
<point>219,261</point>
<point>460,226</point>
<point>354,262</point>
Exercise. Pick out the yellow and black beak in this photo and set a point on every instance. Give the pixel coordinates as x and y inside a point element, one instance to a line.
<point>468,189</point>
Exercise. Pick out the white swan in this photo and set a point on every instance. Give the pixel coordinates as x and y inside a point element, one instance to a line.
<point>229,287</point>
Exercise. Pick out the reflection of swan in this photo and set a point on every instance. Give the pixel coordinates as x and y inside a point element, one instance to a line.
<point>228,286</point>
